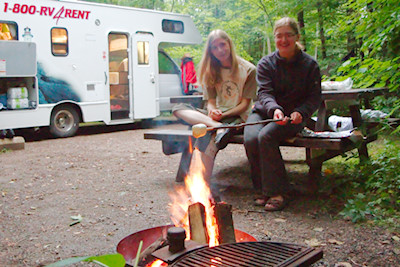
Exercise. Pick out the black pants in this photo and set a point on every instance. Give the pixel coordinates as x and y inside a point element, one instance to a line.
<point>261,141</point>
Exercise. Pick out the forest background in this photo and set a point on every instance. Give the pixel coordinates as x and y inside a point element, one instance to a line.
<point>359,39</point>
<point>349,38</point>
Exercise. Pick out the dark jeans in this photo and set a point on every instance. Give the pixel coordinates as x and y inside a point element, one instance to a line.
<point>261,141</point>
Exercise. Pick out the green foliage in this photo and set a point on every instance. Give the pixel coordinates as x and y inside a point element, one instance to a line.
<point>374,193</point>
<point>358,208</point>
<point>372,72</point>
<point>377,25</point>
<point>241,20</point>
<point>110,260</point>
<point>375,73</point>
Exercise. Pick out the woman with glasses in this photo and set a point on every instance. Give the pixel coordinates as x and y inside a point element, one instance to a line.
<point>289,83</point>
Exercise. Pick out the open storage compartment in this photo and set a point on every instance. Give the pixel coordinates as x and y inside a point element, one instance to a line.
<point>18,82</point>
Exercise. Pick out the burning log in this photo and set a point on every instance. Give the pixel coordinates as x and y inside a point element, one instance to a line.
<point>197,223</point>
<point>223,215</point>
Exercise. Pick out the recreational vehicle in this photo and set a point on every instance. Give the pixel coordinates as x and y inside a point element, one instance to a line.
<point>65,62</point>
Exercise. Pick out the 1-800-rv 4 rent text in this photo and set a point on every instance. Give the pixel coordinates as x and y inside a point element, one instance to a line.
<point>66,62</point>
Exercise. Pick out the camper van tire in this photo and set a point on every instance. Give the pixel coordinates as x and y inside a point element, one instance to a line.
<point>64,121</point>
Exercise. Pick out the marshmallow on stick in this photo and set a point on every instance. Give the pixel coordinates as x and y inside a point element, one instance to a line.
<point>199,130</point>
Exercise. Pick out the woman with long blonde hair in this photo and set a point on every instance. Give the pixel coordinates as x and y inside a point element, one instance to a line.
<point>210,66</point>
<point>229,87</point>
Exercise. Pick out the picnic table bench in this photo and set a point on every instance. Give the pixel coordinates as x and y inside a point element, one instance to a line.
<point>317,149</point>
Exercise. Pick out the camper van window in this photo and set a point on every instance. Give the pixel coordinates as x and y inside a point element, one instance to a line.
<point>166,65</point>
<point>8,30</point>
<point>173,26</point>
<point>59,41</point>
<point>118,51</point>
<point>143,52</point>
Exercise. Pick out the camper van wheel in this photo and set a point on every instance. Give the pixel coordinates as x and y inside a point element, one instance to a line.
<point>64,121</point>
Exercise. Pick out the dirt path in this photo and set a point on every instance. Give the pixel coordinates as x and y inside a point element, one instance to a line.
<point>119,183</point>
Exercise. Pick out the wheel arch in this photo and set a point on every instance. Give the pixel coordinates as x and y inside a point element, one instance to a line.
<point>68,104</point>
<point>64,119</point>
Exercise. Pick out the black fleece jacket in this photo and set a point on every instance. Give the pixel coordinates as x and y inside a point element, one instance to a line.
<point>288,86</point>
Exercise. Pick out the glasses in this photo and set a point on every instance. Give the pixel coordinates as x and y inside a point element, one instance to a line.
<point>288,35</point>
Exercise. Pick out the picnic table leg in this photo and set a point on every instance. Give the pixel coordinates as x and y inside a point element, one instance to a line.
<point>184,164</point>
<point>357,122</point>
<point>322,120</point>
<point>314,173</point>
<point>363,152</point>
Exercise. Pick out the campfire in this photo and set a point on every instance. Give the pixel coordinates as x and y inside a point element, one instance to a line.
<point>195,210</point>
<point>204,221</point>
<point>203,235</point>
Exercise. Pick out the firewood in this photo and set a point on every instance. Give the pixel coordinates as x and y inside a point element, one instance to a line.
<point>197,223</point>
<point>223,215</point>
<point>145,256</point>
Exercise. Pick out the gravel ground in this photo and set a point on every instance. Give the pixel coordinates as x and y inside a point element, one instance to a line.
<point>119,183</point>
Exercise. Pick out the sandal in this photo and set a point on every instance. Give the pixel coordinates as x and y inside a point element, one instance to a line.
<point>260,201</point>
<point>222,138</point>
<point>275,204</point>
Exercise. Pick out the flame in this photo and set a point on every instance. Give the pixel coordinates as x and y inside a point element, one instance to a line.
<point>196,190</point>
<point>157,263</point>
<point>216,260</point>
<point>190,145</point>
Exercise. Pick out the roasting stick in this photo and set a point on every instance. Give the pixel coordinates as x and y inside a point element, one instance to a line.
<point>200,130</point>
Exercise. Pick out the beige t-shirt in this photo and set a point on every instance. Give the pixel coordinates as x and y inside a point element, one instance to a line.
<point>230,91</point>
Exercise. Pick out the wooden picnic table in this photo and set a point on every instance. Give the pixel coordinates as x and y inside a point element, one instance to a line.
<point>318,150</point>
<point>345,98</point>
<point>350,99</point>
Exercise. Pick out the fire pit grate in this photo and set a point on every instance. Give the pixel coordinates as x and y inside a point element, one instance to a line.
<point>250,254</point>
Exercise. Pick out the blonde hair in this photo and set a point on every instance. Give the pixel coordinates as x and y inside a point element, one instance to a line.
<point>287,21</point>
<point>210,66</point>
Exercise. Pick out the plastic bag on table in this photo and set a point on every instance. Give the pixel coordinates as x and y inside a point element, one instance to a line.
<point>369,114</point>
<point>338,123</point>
<point>333,85</point>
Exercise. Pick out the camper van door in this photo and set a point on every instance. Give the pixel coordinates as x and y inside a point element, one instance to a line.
<point>145,84</point>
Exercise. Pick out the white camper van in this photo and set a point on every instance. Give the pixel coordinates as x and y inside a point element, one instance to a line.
<point>72,61</point>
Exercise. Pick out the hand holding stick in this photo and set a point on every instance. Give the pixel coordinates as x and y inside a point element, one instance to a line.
<point>200,130</point>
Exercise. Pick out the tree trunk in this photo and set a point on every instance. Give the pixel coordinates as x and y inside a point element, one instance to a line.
<point>300,19</point>
<point>269,21</point>
<point>321,29</point>
<point>352,45</point>
<point>267,37</point>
